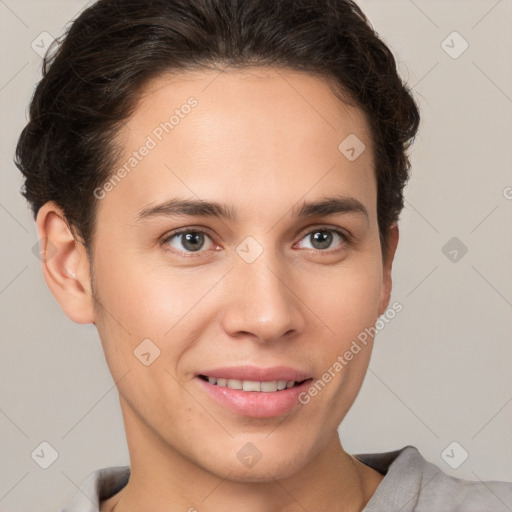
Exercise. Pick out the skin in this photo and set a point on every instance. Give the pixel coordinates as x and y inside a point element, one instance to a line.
<point>262,141</point>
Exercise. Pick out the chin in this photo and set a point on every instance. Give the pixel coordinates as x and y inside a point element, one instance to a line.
<point>278,465</point>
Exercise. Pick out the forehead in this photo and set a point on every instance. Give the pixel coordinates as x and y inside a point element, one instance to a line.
<point>303,101</point>
<point>256,132</point>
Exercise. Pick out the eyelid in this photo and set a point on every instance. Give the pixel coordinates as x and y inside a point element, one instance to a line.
<point>326,227</point>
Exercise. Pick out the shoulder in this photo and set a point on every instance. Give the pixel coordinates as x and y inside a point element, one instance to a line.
<point>97,487</point>
<point>413,484</point>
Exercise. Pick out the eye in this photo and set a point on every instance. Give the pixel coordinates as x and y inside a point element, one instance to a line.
<point>193,240</point>
<point>322,238</point>
<point>187,240</point>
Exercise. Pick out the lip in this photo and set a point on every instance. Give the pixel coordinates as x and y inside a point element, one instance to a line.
<point>256,404</point>
<point>255,373</point>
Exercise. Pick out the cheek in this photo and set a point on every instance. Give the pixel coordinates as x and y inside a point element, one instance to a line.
<point>141,302</point>
<point>346,300</point>
<point>142,299</point>
<point>347,304</point>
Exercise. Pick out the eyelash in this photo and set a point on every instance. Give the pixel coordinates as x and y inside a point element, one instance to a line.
<point>347,240</point>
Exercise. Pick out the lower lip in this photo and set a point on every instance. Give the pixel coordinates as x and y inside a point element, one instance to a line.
<point>256,404</point>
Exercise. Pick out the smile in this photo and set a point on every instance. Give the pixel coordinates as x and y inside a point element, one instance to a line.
<point>255,392</point>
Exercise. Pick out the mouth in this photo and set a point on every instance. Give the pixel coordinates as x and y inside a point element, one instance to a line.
<point>254,392</point>
<point>268,386</point>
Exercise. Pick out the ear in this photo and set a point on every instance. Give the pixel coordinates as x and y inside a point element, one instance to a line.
<point>65,264</point>
<point>387,262</point>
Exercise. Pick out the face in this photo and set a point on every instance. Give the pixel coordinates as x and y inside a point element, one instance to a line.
<point>191,302</point>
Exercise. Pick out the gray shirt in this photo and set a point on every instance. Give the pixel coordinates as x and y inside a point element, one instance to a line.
<point>410,484</point>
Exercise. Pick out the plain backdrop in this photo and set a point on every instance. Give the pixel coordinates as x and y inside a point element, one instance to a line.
<point>441,370</point>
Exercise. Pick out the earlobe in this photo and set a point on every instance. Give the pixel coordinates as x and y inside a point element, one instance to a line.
<point>65,264</point>
<point>387,263</point>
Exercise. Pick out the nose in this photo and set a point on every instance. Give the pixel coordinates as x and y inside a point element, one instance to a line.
<point>264,302</point>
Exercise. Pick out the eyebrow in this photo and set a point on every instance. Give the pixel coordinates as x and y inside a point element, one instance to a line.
<point>201,208</point>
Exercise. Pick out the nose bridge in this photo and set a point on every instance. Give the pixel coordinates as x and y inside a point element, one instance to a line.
<point>263,303</point>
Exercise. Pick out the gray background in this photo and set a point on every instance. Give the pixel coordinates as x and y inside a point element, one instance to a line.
<point>440,371</point>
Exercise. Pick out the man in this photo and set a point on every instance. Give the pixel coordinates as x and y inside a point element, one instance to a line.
<point>220,183</point>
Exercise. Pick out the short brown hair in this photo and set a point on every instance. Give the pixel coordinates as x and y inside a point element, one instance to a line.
<point>91,83</point>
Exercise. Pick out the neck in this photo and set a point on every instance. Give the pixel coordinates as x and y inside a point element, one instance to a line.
<point>162,479</point>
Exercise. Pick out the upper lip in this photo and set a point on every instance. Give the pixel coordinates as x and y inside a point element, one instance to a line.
<point>255,373</point>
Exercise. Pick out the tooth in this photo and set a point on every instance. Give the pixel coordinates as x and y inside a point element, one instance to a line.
<point>234,384</point>
<point>251,385</point>
<point>269,386</point>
